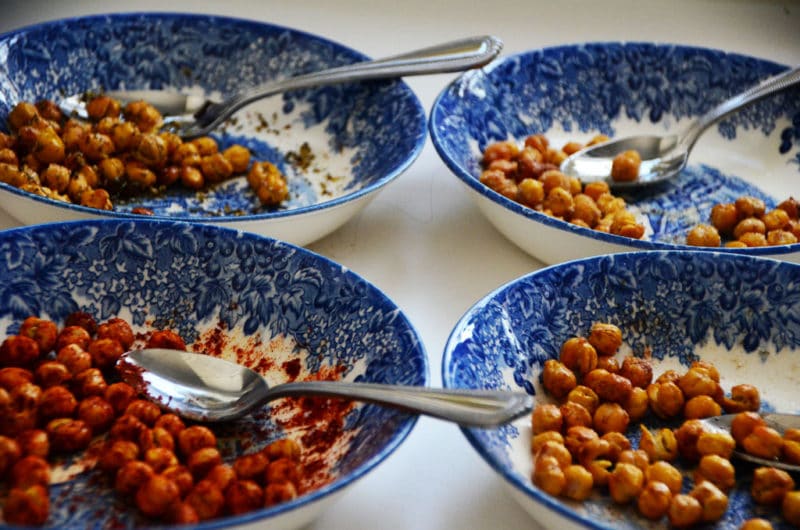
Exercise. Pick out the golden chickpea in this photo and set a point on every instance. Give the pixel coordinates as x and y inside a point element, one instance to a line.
<point>608,363</point>
<point>96,146</point>
<point>586,210</point>
<point>553,178</point>
<point>687,435</point>
<point>540,439</point>
<point>530,164</point>
<point>753,239</point>
<point>666,399</point>
<point>701,407</point>
<point>150,149</point>
<point>636,457</point>
<point>609,204</point>
<point>192,178</point>
<point>578,355</point>
<point>572,147</point>
<point>654,500</point>
<point>595,456</point>
<point>744,423</point>
<point>269,184</point>
<point>139,175</point>
<point>215,168</point>
<point>770,485</point>
<point>716,443</point>
<point>202,461</point>
<point>596,189</point>
<point>560,202</point>
<point>500,151</point>
<point>717,470</point>
<point>665,473</point>
<point>156,495</point>
<point>238,156</point>
<point>555,450</point>
<point>775,219</point>
<point>698,382</point>
<point>49,147</point>
<point>557,379</point>
<point>703,235</point>
<point>99,199</point>
<point>584,396</point>
<point>22,114</point>
<point>661,445</point>
<point>638,404</point>
<point>577,437</point>
<point>625,166</point>
<point>610,417</point>
<point>494,179</point>
<point>724,217</point>
<point>538,142</point>
<point>194,438</point>
<point>608,386</point>
<point>575,414</point>
<point>56,177</point>
<point>546,417</point>
<point>763,442</point>
<point>712,500</point>
<point>102,107</point>
<point>112,170</point>
<point>606,338</point>
<point>530,192</point>
<point>790,451</point>
<point>618,443</point>
<point>509,167</point>
<point>625,483</point>
<point>748,206</point>
<point>144,115</point>
<point>790,508</point>
<point>780,237</point>
<point>638,370</point>
<point>684,511</point>
<point>578,483</point>
<point>548,476</point>
<point>756,524</point>
<point>597,139</point>
<point>28,506</point>
<point>749,224</point>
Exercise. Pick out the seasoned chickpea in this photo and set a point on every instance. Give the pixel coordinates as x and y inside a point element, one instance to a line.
<point>790,508</point>
<point>139,175</point>
<point>100,107</point>
<point>724,217</point>
<point>618,443</point>
<point>29,471</point>
<point>270,185</point>
<point>204,460</point>
<point>119,395</point>
<point>753,239</point>
<point>156,495</point>
<point>10,453</point>
<point>117,454</point>
<point>608,363</point>
<point>171,423</point>
<point>687,435</point>
<point>608,386</point>
<point>625,166</point>
<point>192,178</point>
<point>548,449</point>
<point>105,351</point>
<point>744,423</point>
<point>127,427</point>
<point>68,435</point>
<point>222,475</point>
<point>52,373</point>
<point>147,411</point>
<point>638,370</point>
<point>703,235</point>
<point>775,219</point>
<point>96,146</point>
<point>638,404</point>
<point>780,237</point>
<point>560,202</point>
<point>18,350</point>
<point>73,335</point>
<point>56,402</point>
<point>684,511</point>
<point>610,417</point>
<point>625,483</point>
<point>717,470</point>
<point>28,506</point>
<point>654,500</point>
<point>557,378</point>
<point>698,382</point>
<point>238,156</point>
<point>34,442</point>
<point>576,437</point>
<point>538,142</point>
<point>664,472</point>
<point>747,225</point>
<point>205,145</point>
<point>747,206</point>
<point>548,476</point>
<point>546,417</point>
<point>118,329</point>
<point>277,493</point>
<point>586,210</point>
<point>97,413</point>
<point>537,441</point>
<point>712,500</point>
<point>701,407</point>
<point>595,455</point>
<point>716,443</point>
<point>763,442</point>
<point>44,332</point>
<point>530,192</point>
<point>606,338</point>
<point>145,116</point>
<point>661,445</point>
<point>578,355</point>
<point>165,339</point>
<point>22,114</point>
<point>243,496</point>
<point>207,500</point>
<point>585,397</point>
<point>215,168</point>
<point>89,382</point>
<point>287,470</point>
<point>251,467</point>
<point>160,458</point>
<point>790,451</point>
<point>770,485</point>
<point>578,484</point>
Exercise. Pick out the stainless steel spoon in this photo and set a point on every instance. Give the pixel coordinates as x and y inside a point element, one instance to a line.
<point>663,157</point>
<point>204,388</point>
<point>192,116</point>
<point>779,422</point>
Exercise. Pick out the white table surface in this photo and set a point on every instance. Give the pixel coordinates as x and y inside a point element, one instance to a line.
<point>422,240</point>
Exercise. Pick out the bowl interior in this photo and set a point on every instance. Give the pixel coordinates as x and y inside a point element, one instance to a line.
<point>738,312</point>
<point>286,312</point>
<point>574,92</point>
<point>334,143</point>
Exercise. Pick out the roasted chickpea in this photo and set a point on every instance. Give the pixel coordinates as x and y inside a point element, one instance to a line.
<point>500,151</point>
<point>764,442</point>
<point>89,382</point>
<point>717,470</point>
<point>127,427</point>
<point>748,225</point>
<point>618,443</point>
<point>664,472</point>
<point>578,485</point>
<point>182,478</point>
<point>606,338</point>
<point>165,339</point>
<point>243,496</point>
<point>203,460</point>
<point>19,350</point>
<point>205,145</point>
<point>546,417</point>
<point>701,407</point>
<point>28,506</point>
<point>171,423</point>
<point>131,476</point>
<point>665,399</point>
<point>145,116</point>
<point>157,437</point>
<point>661,445</point>
<point>625,483</point>
<point>238,156</point>
<point>97,413</point>
<point>73,335</point>
<point>548,476</point>
<point>790,451</point>
<point>610,417</point>
<point>638,404</point>
<point>654,500</point>
<point>753,239</point>
<point>105,351</point>
<point>790,508</point>
<point>747,206</point>
<point>68,435</point>
<point>724,217</point>
<point>547,449</point>
<point>557,379</point>
<point>118,453</point>
<point>57,402</point>
<point>608,386</point>
<point>703,235</point>
<point>638,370</point>
<point>625,166</point>
<point>537,441</point>
<point>44,332</point>
<point>10,453</point>
<point>595,455</point>
<point>30,470</point>
<point>156,495</point>
<point>147,411</point>
<point>52,373</point>
<point>26,397</point>
<point>780,237</point>
<point>222,475</point>
<point>559,202</point>
<point>194,438</point>
<point>575,414</point>
<point>577,436</point>
<point>118,329</point>
<point>270,185</point>
<point>687,435</point>
<point>684,511</point>
<point>287,470</point>
<point>712,500</point>
<point>22,114</point>
<point>278,493</point>
<point>34,442</point>
<point>716,443</point>
<point>530,192</point>
<point>160,458</point>
<point>207,500</point>
<point>744,423</point>
<point>578,355</point>
<point>585,397</point>
<point>770,485</point>
<point>756,523</point>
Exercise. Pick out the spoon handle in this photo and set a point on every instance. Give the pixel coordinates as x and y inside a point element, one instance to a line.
<point>767,87</point>
<point>476,408</point>
<point>449,57</point>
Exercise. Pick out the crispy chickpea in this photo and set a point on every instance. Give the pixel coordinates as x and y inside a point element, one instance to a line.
<point>131,476</point>
<point>207,500</point>
<point>791,206</point>
<point>165,339</point>
<point>186,154</point>
<point>770,485</point>
<point>8,156</point>
<point>238,156</point>
<point>790,451</point>
<point>145,116</point>
<point>625,166</point>
<point>608,386</point>
<point>96,146</point>
<point>546,417</point>
<point>618,443</point>
<point>780,237</point>
<point>205,145</point>
<point>531,165</point>
<point>67,435</point>
<point>539,440</point>
<point>215,168</point>
<point>595,455</point>
<point>577,436</point>
<point>73,335</point>
<point>119,395</point>
<point>270,185</point>
<point>560,202</point>
<point>555,156</point>
<point>171,423</point>
<point>105,352</point>
<point>100,107</point>
<point>287,470</point>
<point>553,179</point>
<point>764,442</point>
<point>703,235</point>
<point>10,453</point>
<point>160,458</point>
<point>661,445</point>
<point>548,449</point>
<point>194,438</point>
<point>19,350</point>
<point>204,460</point>
<point>747,206</point>
<point>192,178</point>
<point>747,225</point>
<point>712,500</point>
<point>52,373</point>
<point>636,457</point>
<point>684,511</point>
<point>687,435</point>
<point>222,475</point>
<point>22,114</point>
<point>610,417</point>
<point>530,192</point>
<point>284,448</point>
<point>150,149</point>
<point>29,471</point>
<point>118,329</point>
<point>744,423</point>
<point>97,413</point>
<point>654,500</point>
<point>168,175</point>
<point>586,209</point>
<point>724,217</point>
<point>638,404</point>
<point>278,493</point>
<point>756,523</point>
<point>127,427</point>
<point>548,476</point>
<point>538,142</point>
<point>90,382</point>
<point>698,382</point>
<point>500,151</point>
<point>585,397</point>
<point>33,442</point>
<point>26,397</point>
<point>625,483</point>
<point>664,472</point>
<point>159,437</point>
<point>156,495</point>
<point>139,175</point>
<point>578,355</point>
<point>716,443</point>
<point>27,506</point>
<point>606,338</point>
<point>117,454</point>
<point>578,483</point>
<point>57,402</point>
<point>790,508</point>
<point>147,411</point>
<point>717,470</point>
<point>44,332</point>
<point>243,496</point>
<point>74,358</point>
<point>608,363</point>
<point>638,370</point>
<point>753,239</point>
<point>182,478</point>
<point>775,219</point>
<point>557,379</point>
<point>701,407</point>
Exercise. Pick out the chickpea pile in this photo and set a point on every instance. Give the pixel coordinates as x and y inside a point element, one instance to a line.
<point>119,153</point>
<point>580,444</point>
<point>57,396</point>
<point>530,176</point>
<point>747,223</point>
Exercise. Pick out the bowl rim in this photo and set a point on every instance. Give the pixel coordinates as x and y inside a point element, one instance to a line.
<point>447,369</point>
<point>411,156</point>
<point>315,495</point>
<point>497,199</point>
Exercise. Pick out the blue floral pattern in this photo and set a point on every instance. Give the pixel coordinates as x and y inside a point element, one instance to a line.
<point>594,87</point>
<point>668,302</point>
<point>382,123</point>
<point>188,276</point>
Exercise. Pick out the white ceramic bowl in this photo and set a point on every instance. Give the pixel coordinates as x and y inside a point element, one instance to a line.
<point>738,312</point>
<point>574,92</point>
<point>288,313</point>
<point>361,136</point>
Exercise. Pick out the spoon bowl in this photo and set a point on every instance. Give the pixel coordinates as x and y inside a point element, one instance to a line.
<point>204,388</point>
<point>663,157</point>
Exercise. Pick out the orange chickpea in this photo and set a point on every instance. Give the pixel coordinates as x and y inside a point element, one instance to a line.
<point>117,454</point>
<point>549,449</point>
<point>171,423</point>
<point>625,483</point>
<point>684,511</point>
<point>500,151</point>
<point>89,382</point>
<point>625,166</point>
<point>271,188</point>
<point>222,475</point>
<point>712,500</point>
<point>764,442</point>
<point>147,411</point>
<point>546,417</point>
<point>156,495</point>
<point>665,473</point>
<point>703,235</point>
<point>165,339</point>
<point>75,358</point>
<point>608,386</point>
<point>701,407</point>
<point>131,476</point>
<point>283,470</point>
<point>202,461</point>
<point>283,448</point>
<point>73,335</point>
<point>606,338</point>
<point>27,506</point>
<point>127,427</point>
<point>68,435</point>
<point>243,496</point>
<point>119,395</point>
<point>687,435</point>
<point>33,442</point>
<point>716,443</point>
<point>19,350</point>
<point>618,443</point>
<point>160,458</point>
<point>57,402</point>
<point>97,413</point>
<point>724,217</point>
<point>238,156</point>
<point>790,508</point>
<point>207,500</point>
<point>748,206</point>
<point>557,378</point>
<point>51,373</point>
<point>182,478</point>
<point>661,445</point>
<point>638,404</point>
<point>770,485</point>
<point>749,224</point>
<point>610,417</point>
<point>560,202</point>
<point>30,470</point>
<point>578,355</point>
<point>585,397</point>
<point>638,370</point>
<point>744,423</point>
<point>654,500</point>
<point>44,332</point>
<point>105,352</point>
<point>548,476</point>
<point>540,439</point>
<point>717,470</point>
<point>10,453</point>
<point>251,467</point>
<point>283,492</point>
<point>118,329</point>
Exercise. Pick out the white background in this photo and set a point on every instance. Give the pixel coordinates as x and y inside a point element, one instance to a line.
<point>422,241</point>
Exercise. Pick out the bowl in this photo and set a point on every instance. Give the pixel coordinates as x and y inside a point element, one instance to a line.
<point>337,145</point>
<point>278,308</point>
<point>573,92</point>
<point>738,312</point>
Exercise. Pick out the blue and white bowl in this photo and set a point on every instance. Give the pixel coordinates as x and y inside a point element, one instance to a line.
<point>739,312</point>
<point>278,308</point>
<point>359,137</point>
<point>574,92</point>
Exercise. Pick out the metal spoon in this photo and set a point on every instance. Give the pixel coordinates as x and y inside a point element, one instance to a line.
<point>779,422</point>
<point>663,157</point>
<point>204,388</point>
<point>192,116</point>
